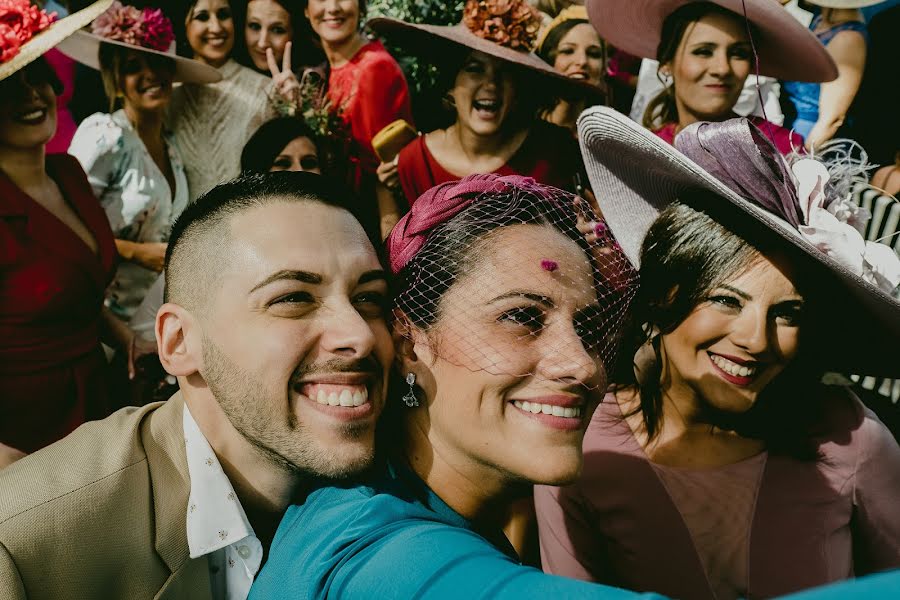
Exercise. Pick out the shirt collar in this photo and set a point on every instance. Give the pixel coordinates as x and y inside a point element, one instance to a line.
<point>215,517</point>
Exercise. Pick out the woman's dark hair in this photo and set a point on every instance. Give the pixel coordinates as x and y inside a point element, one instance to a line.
<point>548,49</point>
<point>684,257</point>
<point>456,247</point>
<point>184,8</point>
<point>305,47</point>
<point>37,72</point>
<point>112,68</point>
<point>532,98</point>
<point>662,108</point>
<point>270,139</point>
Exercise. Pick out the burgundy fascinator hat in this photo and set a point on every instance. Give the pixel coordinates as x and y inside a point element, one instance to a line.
<point>145,30</point>
<point>504,29</point>
<point>791,208</point>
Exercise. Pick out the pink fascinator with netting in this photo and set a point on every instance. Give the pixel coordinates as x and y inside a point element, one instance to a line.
<point>506,265</point>
<point>441,203</point>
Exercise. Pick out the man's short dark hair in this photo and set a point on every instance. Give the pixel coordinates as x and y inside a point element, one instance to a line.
<point>199,238</point>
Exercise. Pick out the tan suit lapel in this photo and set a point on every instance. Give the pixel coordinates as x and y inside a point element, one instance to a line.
<point>190,582</point>
<point>163,437</point>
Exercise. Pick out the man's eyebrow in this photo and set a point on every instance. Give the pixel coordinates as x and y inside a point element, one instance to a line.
<point>303,276</point>
<point>373,275</point>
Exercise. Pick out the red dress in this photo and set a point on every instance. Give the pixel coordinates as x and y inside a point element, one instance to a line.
<point>549,155</point>
<point>784,139</point>
<point>371,93</point>
<point>52,368</point>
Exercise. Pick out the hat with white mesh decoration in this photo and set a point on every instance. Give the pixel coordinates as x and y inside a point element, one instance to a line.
<point>502,265</point>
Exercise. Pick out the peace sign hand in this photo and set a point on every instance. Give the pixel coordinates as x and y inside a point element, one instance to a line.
<point>286,84</point>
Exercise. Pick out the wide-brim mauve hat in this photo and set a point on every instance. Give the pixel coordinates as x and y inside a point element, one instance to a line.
<point>845,3</point>
<point>786,49</point>
<point>50,34</point>
<point>140,30</point>
<point>517,28</point>
<point>635,175</point>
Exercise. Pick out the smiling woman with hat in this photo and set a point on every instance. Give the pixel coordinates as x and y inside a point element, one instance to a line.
<point>496,90</point>
<point>719,460</point>
<point>56,250</point>
<point>707,50</point>
<point>132,162</point>
<point>133,165</point>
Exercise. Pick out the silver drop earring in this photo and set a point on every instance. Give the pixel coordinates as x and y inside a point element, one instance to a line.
<point>410,398</point>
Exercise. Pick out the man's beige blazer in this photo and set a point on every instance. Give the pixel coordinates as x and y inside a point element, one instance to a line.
<point>102,513</point>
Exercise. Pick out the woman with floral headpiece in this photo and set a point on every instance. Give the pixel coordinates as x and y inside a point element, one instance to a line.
<point>720,465</point>
<point>132,163</point>
<point>506,320</point>
<point>706,51</point>
<point>496,91</point>
<point>57,253</point>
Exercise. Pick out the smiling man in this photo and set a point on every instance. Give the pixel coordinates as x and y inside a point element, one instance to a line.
<point>274,326</point>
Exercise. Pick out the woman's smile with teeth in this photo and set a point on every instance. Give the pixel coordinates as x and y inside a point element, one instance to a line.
<point>548,409</point>
<point>487,105</point>
<point>733,368</point>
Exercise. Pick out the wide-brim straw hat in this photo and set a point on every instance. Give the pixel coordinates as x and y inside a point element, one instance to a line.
<point>51,37</point>
<point>85,46</point>
<point>786,49</point>
<point>635,175</point>
<point>434,40</point>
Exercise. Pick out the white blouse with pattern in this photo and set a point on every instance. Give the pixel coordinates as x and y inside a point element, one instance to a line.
<point>134,193</point>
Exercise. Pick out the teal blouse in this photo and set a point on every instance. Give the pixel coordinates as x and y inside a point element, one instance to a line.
<point>395,538</point>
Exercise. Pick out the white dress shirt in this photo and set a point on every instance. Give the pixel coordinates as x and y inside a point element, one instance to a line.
<point>217,526</point>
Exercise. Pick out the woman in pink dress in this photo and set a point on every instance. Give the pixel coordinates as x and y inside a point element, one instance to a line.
<point>720,466</point>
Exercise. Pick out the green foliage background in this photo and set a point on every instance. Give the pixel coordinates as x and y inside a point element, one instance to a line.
<point>420,75</point>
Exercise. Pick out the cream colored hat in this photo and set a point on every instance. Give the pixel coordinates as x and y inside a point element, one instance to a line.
<point>47,38</point>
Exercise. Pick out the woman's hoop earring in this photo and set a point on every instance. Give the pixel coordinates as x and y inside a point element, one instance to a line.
<point>409,398</point>
<point>449,102</point>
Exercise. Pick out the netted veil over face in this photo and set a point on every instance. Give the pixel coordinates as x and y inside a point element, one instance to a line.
<point>506,276</point>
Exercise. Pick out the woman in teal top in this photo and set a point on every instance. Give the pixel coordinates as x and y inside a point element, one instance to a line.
<point>510,301</point>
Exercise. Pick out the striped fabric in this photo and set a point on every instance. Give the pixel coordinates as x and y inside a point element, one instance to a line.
<point>884,227</point>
